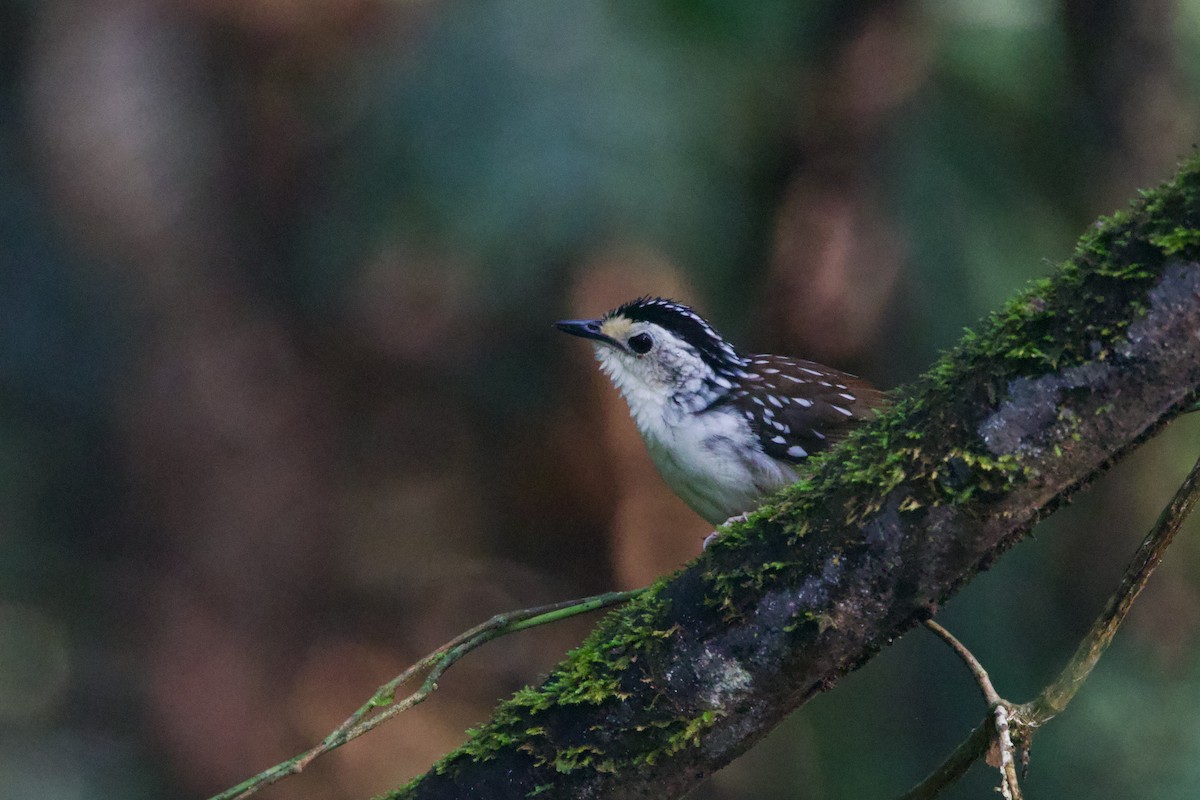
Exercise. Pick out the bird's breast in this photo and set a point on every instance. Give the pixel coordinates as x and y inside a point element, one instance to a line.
<point>714,463</point>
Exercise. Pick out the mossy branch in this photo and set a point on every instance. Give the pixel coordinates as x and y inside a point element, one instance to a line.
<point>1051,390</point>
<point>383,705</point>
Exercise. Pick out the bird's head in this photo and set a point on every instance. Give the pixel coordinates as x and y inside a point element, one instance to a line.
<point>656,350</point>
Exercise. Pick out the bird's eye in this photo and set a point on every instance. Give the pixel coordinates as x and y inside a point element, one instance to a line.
<point>641,343</point>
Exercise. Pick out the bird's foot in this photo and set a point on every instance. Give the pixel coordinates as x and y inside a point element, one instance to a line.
<point>712,537</point>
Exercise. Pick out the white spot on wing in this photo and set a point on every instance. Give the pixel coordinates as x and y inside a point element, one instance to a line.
<point>796,451</point>
<point>841,410</point>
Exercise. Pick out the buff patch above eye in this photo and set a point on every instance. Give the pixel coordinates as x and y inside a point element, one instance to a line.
<point>616,327</point>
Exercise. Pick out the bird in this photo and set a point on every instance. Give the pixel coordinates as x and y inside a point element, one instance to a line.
<point>725,430</point>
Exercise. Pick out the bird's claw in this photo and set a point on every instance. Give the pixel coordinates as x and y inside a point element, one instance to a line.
<point>717,533</point>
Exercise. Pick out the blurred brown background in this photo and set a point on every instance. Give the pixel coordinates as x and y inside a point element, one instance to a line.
<point>283,409</point>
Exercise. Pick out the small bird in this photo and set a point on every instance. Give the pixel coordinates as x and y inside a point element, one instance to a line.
<point>725,430</point>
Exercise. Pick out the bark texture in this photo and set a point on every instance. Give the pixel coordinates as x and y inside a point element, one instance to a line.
<point>1068,377</point>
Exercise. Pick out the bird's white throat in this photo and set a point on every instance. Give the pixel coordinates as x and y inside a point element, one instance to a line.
<point>648,405</point>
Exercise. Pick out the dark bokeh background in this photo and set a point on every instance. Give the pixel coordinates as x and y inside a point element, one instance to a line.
<point>282,408</point>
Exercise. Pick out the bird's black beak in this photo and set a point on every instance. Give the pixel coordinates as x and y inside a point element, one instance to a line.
<point>584,328</point>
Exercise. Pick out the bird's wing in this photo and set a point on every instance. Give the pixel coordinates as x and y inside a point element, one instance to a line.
<point>798,407</point>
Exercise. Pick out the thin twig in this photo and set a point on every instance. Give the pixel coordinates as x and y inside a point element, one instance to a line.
<point>956,765</point>
<point>1009,787</point>
<point>980,674</point>
<point>383,706</point>
<point>1054,698</point>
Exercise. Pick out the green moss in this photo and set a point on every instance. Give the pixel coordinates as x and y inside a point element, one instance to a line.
<point>591,674</point>
<point>1177,240</point>
<point>569,759</point>
<point>680,734</point>
<point>728,584</point>
<point>402,791</point>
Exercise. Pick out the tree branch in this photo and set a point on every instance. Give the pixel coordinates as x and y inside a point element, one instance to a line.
<point>880,531</point>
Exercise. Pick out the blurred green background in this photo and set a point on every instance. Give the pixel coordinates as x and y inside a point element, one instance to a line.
<point>282,409</point>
